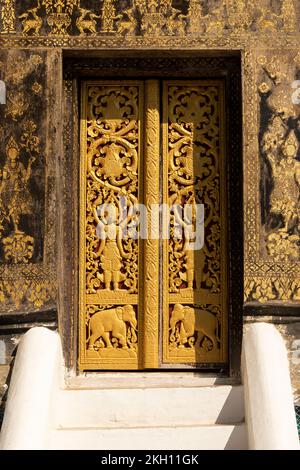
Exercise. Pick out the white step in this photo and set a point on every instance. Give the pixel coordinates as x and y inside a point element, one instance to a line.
<point>117,408</point>
<point>218,437</point>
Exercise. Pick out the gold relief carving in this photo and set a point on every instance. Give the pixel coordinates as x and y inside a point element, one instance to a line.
<point>127,23</point>
<point>194,328</point>
<point>112,162</point>
<point>113,328</point>
<point>109,260</point>
<point>159,17</point>
<point>151,246</point>
<point>192,175</point>
<point>7,16</point>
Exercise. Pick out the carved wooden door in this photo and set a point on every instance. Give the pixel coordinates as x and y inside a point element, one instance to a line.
<point>150,297</point>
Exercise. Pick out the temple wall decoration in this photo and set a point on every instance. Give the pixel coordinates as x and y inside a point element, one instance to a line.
<point>27,261</point>
<point>136,17</point>
<point>272,271</point>
<point>271,228</point>
<point>35,151</point>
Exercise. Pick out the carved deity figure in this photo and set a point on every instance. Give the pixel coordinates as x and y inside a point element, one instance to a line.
<point>286,176</point>
<point>7,16</point>
<point>14,192</point>
<point>193,260</point>
<point>110,250</point>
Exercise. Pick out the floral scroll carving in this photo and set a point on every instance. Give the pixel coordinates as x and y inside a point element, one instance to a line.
<point>195,328</point>
<point>194,179</point>
<point>110,165</point>
<point>112,162</point>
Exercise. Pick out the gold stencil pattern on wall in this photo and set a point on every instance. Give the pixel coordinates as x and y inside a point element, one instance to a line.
<point>109,255</point>
<point>27,224</point>
<point>272,266</point>
<point>195,308</point>
<point>15,197</point>
<point>7,16</point>
<point>150,18</point>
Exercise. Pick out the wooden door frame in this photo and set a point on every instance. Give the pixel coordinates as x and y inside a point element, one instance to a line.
<point>142,64</point>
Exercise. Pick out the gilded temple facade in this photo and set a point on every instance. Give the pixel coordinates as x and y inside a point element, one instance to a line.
<point>160,103</point>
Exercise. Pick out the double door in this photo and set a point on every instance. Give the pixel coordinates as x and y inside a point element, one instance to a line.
<point>152,232</point>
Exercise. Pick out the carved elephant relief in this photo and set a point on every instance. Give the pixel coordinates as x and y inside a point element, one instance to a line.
<point>110,325</point>
<point>185,321</point>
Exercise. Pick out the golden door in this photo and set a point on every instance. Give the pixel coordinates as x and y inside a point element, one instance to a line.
<point>150,296</point>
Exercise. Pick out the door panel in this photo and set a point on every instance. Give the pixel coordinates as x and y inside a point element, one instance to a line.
<point>149,303</point>
<point>110,168</point>
<point>194,281</point>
